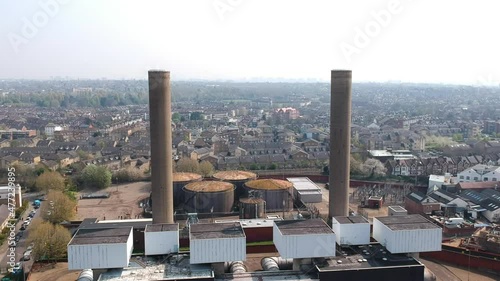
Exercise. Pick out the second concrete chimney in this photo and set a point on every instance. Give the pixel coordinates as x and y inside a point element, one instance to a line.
<point>160,124</point>
<point>340,142</point>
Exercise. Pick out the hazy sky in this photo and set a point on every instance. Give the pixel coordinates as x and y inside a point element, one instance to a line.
<point>417,41</point>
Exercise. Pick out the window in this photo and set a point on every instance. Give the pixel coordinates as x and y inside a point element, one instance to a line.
<point>461,177</point>
<point>467,178</point>
<point>494,179</point>
<point>475,178</point>
<point>485,179</point>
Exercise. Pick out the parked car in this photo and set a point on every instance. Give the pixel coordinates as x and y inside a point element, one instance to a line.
<point>30,247</point>
<point>27,255</point>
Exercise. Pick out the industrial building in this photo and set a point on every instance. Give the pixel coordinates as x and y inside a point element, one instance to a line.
<point>305,190</point>
<point>309,249</point>
<point>351,230</point>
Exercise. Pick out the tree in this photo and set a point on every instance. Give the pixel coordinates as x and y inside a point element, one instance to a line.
<point>187,165</point>
<point>128,174</point>
<point>206,169</point>
<point>25,175</point>
<point>58,208</point>
<point>355,166</point>
<point>96,176</point>
<point>457,137</point>
<point>50,241</point>
<point>272,166</point>
<point>50,181</point>
<point>196,116</point>
<point>84,155</point>
<point>176,117</point>
<point>373,167</point>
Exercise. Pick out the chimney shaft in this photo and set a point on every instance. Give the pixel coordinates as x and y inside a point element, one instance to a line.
<point>340,142</point>
<point>160,124</point>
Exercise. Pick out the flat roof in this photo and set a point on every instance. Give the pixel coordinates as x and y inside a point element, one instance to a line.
<point>397,208</point>
<point>351,219</point>
<point>373,256</point>
<point>216,230</point>
<point>94,224</point>
<point>407,222</point>
<point>303,227</point>
<point>162,227</point>
<point>84,236</point>
<point>251,223</point>
<point>380,153</point>
<point>304,184</point>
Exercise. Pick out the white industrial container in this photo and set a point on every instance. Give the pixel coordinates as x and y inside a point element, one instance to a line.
<point>306,190</point>
<point>161,239</point>
<point>100,248</point>
<point>397,211</point>
<point>303,239</point>
<point>407,234</point>
<point>217,242</point>
<point>351,230</point>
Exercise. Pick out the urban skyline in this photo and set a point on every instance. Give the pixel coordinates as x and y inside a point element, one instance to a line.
<point>241,40</point>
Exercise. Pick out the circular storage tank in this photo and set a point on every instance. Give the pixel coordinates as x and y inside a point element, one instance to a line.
<point>179,181</point>
<point>201,197</point>
<point>252,208</point>
<point>274,192</point>
<point>238,178</point>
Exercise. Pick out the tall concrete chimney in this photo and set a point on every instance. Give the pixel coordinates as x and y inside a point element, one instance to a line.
<point>160,124</point>
<point>340,142</point>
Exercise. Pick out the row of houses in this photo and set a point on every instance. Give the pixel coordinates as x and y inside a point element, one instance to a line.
<point>485,202</point>
<point>438,165</point>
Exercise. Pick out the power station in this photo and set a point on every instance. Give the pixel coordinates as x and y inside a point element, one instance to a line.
<point>217,249</point>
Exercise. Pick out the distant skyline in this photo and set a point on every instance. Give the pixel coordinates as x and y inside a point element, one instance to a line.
<point>445,42</point>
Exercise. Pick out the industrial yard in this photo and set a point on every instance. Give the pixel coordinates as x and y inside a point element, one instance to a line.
<point>123,202</point>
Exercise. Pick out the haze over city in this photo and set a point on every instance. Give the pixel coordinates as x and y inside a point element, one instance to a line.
<point>410,41</point>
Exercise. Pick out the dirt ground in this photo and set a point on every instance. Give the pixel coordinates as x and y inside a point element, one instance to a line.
<point>56,272</point>
<point>123,201</point>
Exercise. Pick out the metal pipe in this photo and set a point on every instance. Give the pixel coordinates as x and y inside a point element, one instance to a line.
<point>237,267</point>
<point>276,263</point>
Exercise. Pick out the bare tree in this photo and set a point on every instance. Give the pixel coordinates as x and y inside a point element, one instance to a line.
<point>188,165</point>
<point>206,169</point>
<point>49,241</point>
<point>50,181</point>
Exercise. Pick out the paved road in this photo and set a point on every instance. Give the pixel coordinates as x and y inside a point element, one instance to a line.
<point>21,245</point>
